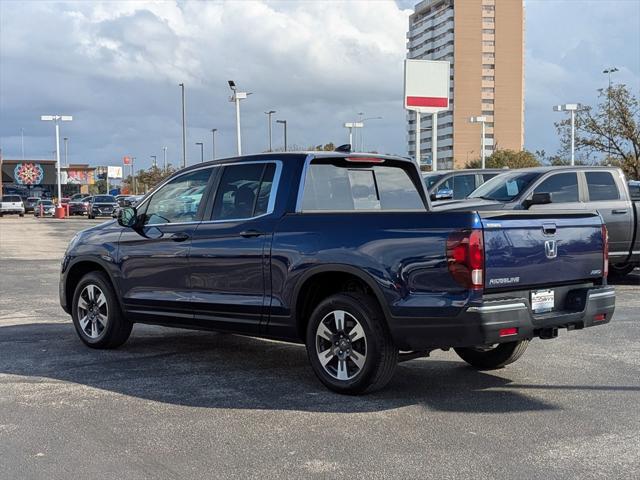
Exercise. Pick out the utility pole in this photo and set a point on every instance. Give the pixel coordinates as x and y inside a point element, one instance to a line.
<point>284,123</point>
<point>609,71</point>
<point>66,151</point>
<point>154,161</point>
<point>201,151</point>
<point>57,119</point>
<point>572,108</point>
<point>236,97</point>
<point>184,130</point>
<point>269,113</point>
<point>481,120</point>
<point>164,155</point>
<point>213,142</point>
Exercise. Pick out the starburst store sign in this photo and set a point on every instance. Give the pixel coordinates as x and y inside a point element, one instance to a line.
<point>28,173</point>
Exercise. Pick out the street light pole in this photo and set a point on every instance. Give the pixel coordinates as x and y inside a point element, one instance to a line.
<point>269,113</point>
<point>609,71</point>
<point>481,120</point>
<point>213,142</point>
<point>362,130</point>
<point>133,177</point>
<point>572,108</point>
<point>353,126</point>
<point>236,97</point>
<point>201,151</point>
<point>66,151</point>
<point>284,123</point>
<point>164,158</point>
<point>154,161</point>
<point>184,130</point>
<point>57,119</point>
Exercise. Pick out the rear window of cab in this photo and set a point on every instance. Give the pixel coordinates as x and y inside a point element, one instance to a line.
<point>342,186</point>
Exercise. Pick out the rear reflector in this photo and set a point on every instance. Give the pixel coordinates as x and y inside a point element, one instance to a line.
<point>605,250</point>
<point>507,332</point>
<point>365,159</point>
<point>600,317</point>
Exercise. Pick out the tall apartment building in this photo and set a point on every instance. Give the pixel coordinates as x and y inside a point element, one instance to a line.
<point>484,41</point>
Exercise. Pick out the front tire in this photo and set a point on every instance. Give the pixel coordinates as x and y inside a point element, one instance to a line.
<point>96,313</point>
<point>349,345</point>
<point>493,357</point>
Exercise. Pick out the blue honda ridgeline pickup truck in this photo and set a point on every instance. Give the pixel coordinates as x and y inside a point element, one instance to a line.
<point>341,252</point>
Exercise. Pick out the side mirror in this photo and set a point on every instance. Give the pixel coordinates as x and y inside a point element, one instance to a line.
<point>541,198</point>
<point>127,217</point>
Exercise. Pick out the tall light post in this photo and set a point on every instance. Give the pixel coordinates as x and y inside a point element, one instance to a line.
<point>201,151</point>
<point>571,108</point>
<point>351,126</point>
<point>235,98</point>
<point>268,114</point>
<point>154,160</point>
<point>609,71</point>
<point>362,130</point>
<point>22,141</point>
<point>481,120</point>
<point>57,119</point>
<point>164,158</point>
<point>133,177</point>
<point>213,142</point>
<point>284,123</point>
<point>66,151</point>
<point>184,130</point>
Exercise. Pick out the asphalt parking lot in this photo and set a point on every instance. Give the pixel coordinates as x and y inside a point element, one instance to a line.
<point>184,404</point>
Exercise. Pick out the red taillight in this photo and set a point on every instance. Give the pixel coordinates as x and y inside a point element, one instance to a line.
<point>600,317</point>
<point>507,332</point>
<point>465,258</point>
<point>605,250</point>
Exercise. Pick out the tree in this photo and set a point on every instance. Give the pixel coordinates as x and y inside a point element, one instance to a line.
<point>507,158</point>
<point>100,186</point>
<point>611,129</point>
<point>146,180</point>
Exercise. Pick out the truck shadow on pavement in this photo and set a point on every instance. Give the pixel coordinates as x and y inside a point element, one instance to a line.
<point>210,370</point>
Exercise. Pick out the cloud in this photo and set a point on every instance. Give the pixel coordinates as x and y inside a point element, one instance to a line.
<point>116,66</point>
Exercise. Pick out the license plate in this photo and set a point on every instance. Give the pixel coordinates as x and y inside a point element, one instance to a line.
<point>542,301</point>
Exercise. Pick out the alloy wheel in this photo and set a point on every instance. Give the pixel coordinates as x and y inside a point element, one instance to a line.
<point>341,345</point>
<point>93,311</point>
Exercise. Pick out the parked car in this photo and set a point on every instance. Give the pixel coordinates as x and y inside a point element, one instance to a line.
<point>30,203</point>
<point>126,201</point>
<point>550,189</point>
<point>77,196</point>
<point>341,252</point>
<point>456,184</point>
<point>102,206</point>
<point>44,208</point>
<point>80,206</point>
<point>634,190</point>
<point>11,205</point>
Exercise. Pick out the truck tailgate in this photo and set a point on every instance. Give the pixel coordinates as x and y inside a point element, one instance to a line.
<point>528,249</point>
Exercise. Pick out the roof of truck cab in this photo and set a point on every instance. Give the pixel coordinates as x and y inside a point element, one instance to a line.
<point>566,168</point>
<point>300,156</point>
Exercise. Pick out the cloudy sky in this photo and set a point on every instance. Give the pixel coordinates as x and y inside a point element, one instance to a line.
<point>116,66</point>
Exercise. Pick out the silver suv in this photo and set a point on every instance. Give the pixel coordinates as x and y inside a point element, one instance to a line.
<point>11,204</point>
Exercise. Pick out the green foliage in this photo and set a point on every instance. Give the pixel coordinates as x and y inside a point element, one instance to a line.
<point>145,180</point>
<point>507,158</point>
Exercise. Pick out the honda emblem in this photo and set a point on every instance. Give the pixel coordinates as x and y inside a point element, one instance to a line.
<point>551,249</point>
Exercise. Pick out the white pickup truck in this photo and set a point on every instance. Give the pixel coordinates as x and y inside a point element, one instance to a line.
<point>11,204</point>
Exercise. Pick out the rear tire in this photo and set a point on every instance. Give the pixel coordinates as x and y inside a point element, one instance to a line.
<point>493,357</point>
<point>96,313</point>
<point>360,355</point>
<point>21,214</point>
<point>620,271</point>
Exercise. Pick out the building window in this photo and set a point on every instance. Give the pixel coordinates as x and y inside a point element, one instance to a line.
<point>489,31</point>
<point>488,19</point>
<point>487,112</point>
<point>488,90</point>
<point>489,43</point>
<point>488,78</point>
<point>488,66</point>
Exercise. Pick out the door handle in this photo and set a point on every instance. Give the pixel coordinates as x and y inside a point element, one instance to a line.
<point>180,237</point>
<point>618,212</point>
<point>250,233</point>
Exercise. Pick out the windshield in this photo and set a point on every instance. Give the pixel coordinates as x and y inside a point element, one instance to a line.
<point>104,199</point>
<point>505,187</point>
<point>431,180</point>
<point>46,202</point>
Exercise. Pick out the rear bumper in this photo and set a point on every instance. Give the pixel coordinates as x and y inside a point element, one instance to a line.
<point>482,323</point>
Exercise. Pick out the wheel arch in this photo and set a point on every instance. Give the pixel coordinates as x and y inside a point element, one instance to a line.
<point>321,281</point>
<point>78,269</point>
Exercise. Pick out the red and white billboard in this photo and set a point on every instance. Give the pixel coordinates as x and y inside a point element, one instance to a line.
<point>426,85</point>
<point>126,160</point>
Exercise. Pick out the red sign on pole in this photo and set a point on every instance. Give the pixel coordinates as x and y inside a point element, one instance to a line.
<point>126,160</point>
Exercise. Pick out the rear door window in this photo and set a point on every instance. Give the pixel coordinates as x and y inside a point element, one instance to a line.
<point>601,186</point>
<point>562,186</point>
<point>330,187</point>
<point>244,191</point>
